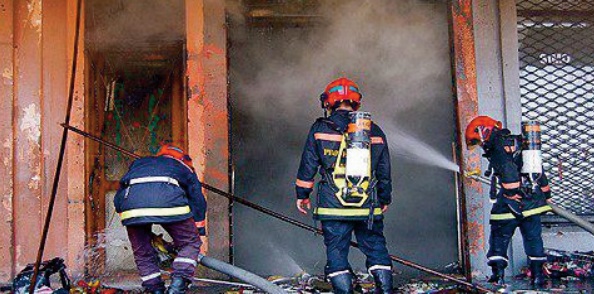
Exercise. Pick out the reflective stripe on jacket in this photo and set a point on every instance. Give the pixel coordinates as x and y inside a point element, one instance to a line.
<point>319,156</point>
<point>506,167</point>
<point>159,190</point>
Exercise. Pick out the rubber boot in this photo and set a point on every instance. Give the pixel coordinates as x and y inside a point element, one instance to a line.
<point>498,269</point>
<point>178,285</point>
<point>342,284</point>
<point>538,277</point>
<point>383,281</point>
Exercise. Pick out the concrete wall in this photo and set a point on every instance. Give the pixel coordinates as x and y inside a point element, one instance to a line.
<point>495,26</point>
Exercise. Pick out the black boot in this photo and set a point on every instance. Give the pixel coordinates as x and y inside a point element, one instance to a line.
<point>178,285</point>
<point>498,269</point>
<point>383,281</point>
<point>538,277</point>
<point>342,283</point>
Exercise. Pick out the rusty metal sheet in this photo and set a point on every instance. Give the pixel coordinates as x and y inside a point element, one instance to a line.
<point>214,58</point>
<point>53,104</point>
<point>206,73</point>
<point>6,139</point>
<point>464,69</point>
<point>28,92</point>
<point>195,87</point>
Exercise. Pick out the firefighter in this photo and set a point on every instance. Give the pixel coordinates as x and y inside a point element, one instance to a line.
<point>324,151</point>
<point>520,201</point>
<point>164,190</point>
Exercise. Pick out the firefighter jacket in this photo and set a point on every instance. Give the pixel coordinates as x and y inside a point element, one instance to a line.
<point>320,154</point>
<point>506,167</point>
<point>160,190</point>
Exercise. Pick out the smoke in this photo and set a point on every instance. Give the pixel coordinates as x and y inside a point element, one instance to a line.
<point>126,25</point>
<point>388,47</point>
<point>398,53</point>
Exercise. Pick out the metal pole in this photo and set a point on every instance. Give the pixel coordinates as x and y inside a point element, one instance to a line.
<point>284,218</point>
<point>50,208</point>
<point>580,222</point>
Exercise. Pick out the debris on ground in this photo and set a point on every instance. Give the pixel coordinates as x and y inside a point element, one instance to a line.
<point>47,270</point>
<point>305,284</point>
<point>565,265</point>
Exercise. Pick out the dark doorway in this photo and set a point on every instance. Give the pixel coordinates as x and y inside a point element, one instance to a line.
<point>135,62</point>
<point>282,54</point>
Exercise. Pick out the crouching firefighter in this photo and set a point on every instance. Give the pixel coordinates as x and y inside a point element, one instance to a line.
<point>163,190</point>
<point>352,157</point>
<point>515,165</point>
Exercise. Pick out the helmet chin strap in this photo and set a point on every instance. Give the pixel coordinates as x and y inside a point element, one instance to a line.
<point>480,131</point>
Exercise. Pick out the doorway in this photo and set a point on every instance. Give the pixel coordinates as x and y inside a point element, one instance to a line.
<point>135,98</point>
<point>282,54</point>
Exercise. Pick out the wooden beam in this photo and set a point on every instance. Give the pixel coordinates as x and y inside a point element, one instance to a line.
<point>55,73</point>
<point>27,122</point>
<point>6,139</point>
<point>76,148</point>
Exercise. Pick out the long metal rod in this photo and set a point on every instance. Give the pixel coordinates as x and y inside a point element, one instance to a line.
<point>50,208</point>
<point>284,218</point>
<point>562,212</point>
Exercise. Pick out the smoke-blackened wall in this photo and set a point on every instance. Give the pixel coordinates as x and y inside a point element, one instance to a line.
<point>398,53</point>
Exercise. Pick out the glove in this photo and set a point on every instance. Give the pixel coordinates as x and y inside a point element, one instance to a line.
<point>201,226</point>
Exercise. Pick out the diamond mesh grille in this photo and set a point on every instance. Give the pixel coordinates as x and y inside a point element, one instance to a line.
<point>556,48</point>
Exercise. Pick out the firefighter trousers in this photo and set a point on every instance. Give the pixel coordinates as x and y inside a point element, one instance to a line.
<point>185,237</point>
<point>337,238</point>
<point>503,230</point>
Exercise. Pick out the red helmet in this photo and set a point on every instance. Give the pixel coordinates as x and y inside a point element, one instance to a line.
<point>175,152</point>
<point>479,130</point>
<point>341,90</point>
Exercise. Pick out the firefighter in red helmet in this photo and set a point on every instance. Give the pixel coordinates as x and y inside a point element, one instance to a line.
<point>520,201</point>
<point>344,206</point>
<point>163,190</point>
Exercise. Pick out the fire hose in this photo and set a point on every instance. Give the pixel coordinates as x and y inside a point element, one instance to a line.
<point>167,252</point>
<point>580,222</point>
<point>468,285</point>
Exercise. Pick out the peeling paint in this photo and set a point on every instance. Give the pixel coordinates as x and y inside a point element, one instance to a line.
<point>8,146</point>
<point>34,17</point>
<point>7,206</point>
<point>8,74</point>
<point>18,254</point>
<point>34,182</point>
<point>31,123</point>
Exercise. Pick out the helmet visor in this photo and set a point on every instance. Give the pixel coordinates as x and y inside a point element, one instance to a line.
<point>342,90</point>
